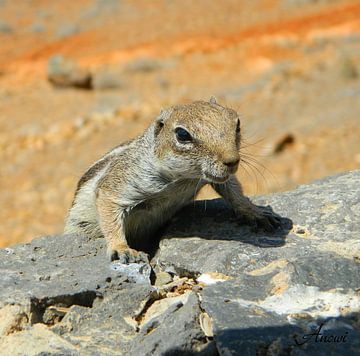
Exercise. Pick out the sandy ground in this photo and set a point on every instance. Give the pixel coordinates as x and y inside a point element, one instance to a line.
<point>291,68</point>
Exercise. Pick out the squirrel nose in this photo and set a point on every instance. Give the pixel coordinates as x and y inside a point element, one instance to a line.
<point>231,162</point>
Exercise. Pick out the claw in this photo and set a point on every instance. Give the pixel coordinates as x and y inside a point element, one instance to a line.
<point>127,255</point>
<point>264,219</point>
<point>113,255</point>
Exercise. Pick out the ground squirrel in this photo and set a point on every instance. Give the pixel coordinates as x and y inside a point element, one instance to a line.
<point>135,188</point>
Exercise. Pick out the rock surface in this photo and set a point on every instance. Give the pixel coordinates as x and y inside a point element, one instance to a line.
<point>64,72</point>
<point>228,291</point>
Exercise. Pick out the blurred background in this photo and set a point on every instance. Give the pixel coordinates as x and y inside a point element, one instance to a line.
<point>78,77</point>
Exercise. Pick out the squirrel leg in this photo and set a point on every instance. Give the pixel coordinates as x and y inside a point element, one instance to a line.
<point>249,213</point>
<point>112,224</point>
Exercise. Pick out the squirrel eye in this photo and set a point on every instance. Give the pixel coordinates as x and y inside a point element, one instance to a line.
<point>238,126</point>
<point>182,135</point>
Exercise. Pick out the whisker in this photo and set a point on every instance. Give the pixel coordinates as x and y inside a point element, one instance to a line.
<point>256,162</point>
<point>254,168</point>
<point>250,144</point>
<point>196,189</point>
<point>251,176</point>
<point>246,171</point>
<point>254,171</point>
<point>243,151</point>
<point>253,164</point>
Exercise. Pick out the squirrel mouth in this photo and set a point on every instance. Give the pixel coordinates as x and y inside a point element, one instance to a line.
<point>215,179</point>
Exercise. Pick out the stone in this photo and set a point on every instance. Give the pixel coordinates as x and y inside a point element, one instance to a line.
<point>143,64</point>
<point>177,331</point>
<point>136,272</point>
<point>160,308</point>
<point>37,27</point>
<point>348,68</point>
<point>162,278</point>
<point>66,30</point>
<point>5,27</point>
<point>64,72</point>
<point>12,318</point>
<point>37,340</point>
<point>206,324</point>
<point>219,288</point>
<point>147,65</point>
<point>212,278</point>
<point>107,79</point>
<point>104,327</point>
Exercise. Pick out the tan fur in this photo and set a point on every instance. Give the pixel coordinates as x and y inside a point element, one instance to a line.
<point>135,188</point>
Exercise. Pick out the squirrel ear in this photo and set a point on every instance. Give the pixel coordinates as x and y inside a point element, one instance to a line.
<point>213,100</point>
<point>160,120</point>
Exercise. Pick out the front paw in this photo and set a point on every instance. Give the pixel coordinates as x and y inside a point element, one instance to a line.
<point>262,219</point>
<point>127,255</point>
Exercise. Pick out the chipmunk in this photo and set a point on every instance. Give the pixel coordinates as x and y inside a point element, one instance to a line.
<point>135,188</point>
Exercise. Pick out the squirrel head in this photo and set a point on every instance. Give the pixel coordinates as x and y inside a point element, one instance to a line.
<point>198,140</point>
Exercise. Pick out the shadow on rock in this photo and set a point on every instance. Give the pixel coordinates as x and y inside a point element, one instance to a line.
<point>215,220</point>
<point>333,336</point>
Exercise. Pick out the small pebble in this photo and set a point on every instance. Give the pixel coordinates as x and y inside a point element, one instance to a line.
<point>162,278</point>
<point>9,251</point>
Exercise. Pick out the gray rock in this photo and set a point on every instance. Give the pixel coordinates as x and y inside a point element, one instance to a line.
<point>66,30</point>
<point>304,2</point>
<point>105,328</point>
<point>291,292</point>
<point>135,272</point>
<point>157,336</point>
<point>5,27</point>
<point>43,13</point>
<point>255,324</point>
<point>99,8</point>
<point>163,278</point>
<point>284,285</point>
<point>107,103</point>
<point>207,236</point>
<point>70,275</point>
<point>348,68</point>
<point>107,79</point>
<point>37,27</point>
<point>143,65</point>
<point>64,72</point>
<point>148,65</point>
